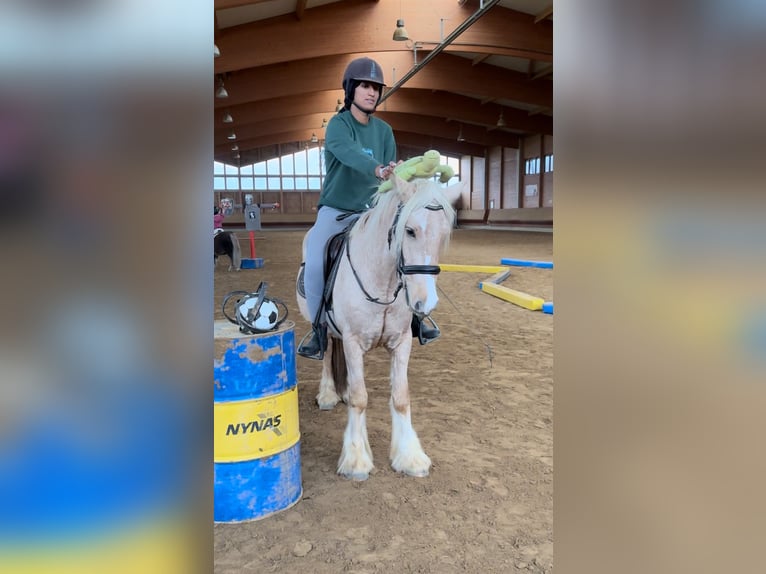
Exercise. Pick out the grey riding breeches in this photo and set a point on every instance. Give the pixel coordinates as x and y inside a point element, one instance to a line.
<point>324,228</point>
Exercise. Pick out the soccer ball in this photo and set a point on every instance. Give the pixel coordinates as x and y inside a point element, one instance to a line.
<point>265,319</point>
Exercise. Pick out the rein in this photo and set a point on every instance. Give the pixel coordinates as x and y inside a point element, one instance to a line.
<point>369,297</point>
<point>401,268</point>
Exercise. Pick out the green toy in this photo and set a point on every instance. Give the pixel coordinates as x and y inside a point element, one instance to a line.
<point>422,166</point>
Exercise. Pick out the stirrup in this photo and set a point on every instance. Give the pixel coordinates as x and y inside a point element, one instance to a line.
<point>315,347</point>
<point>425,333</point>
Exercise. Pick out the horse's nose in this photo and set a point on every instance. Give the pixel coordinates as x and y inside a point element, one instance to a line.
<point>424,306</point>
<point>423,297</point>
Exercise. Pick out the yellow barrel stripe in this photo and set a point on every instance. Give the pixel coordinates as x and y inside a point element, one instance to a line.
<point>256,428</point>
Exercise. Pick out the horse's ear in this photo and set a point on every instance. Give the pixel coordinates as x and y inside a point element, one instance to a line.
<point>454,192</point>
<point>402,188</point>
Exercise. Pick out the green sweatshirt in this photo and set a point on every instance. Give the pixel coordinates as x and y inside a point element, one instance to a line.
<point>352,152</point>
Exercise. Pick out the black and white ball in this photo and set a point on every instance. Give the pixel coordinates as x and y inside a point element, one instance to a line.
<point>266,317</point>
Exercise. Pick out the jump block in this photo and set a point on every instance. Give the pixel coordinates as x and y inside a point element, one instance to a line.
<point>472,268</point>
<point>255,263</point>
<point>512,296</point>
<point>527,263</point>
<point>499,277</point>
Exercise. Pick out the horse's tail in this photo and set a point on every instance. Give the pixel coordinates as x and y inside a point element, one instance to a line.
<point>339,371</point>
<point>236,254</point>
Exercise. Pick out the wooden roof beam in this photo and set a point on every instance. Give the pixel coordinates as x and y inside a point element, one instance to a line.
<point>406,100</point>
<point>312,122</point>
<point>300,7</point>
<point>285,39</point>
<point>543,14</point>
<point>446,73</point>
<point>543,72</point>
<point>463,109</point>
<point>437,127</point>
<point>226,4</point>
<point>297,105</point>
<point>479,59</point>
<point>445,145</point>
<point>267,140</point>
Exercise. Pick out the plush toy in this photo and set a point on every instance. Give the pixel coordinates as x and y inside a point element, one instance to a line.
<point>422,166</point>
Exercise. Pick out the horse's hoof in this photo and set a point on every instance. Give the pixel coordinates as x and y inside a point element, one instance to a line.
<point>416,473</point>
<point>356,476</point>
<point>418,468</point>
<point>325,404</point>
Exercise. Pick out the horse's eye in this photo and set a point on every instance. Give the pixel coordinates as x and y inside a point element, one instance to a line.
<point>410,232</point>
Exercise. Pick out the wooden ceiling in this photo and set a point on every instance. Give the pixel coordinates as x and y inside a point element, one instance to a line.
<point>281,62</point>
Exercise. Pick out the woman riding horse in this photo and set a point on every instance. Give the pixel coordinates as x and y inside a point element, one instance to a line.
<point>359,153</point>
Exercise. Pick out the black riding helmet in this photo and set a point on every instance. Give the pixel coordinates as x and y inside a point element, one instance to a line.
<point>361,70</point>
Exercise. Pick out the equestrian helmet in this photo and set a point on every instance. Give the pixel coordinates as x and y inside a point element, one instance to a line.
<point>362,70</point>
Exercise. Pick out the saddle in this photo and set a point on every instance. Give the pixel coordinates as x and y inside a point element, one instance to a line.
<point>333,253</point>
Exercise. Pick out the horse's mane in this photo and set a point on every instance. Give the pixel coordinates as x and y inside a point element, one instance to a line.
<point>427,193</point>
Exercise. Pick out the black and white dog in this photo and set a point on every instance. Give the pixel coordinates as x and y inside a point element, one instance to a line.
<point>226,243</point>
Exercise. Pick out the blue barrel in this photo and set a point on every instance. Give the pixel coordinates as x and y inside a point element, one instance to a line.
<point>256,432</point>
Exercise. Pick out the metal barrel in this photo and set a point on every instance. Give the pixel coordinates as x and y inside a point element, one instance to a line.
<point>256,431</point>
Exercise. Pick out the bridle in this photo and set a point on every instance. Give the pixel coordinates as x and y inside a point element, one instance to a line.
<point>401,268</point>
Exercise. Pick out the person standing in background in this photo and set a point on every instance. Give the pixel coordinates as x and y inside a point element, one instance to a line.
<point>218,218</point>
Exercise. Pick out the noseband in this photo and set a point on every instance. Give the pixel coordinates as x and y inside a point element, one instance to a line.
<point>401,268</point>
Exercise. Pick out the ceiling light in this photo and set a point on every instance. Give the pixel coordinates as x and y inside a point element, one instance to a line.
<point>221,92</point>
<point>235,147</point>
<point>232,136</point>
<point>324,123</point>
<point>501,121</point>
<point>460,137</point>
<point>314,138</point>
<point>339,107</point>
<point>216,51</point>
<point>400,34</point>
<point>227,119</point>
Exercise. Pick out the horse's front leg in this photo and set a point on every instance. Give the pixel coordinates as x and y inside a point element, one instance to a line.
<point>356,457</point>
<point>407,455</point>
<point>328,397</point>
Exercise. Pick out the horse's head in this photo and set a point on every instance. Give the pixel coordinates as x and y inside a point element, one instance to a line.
<point>420,233</point>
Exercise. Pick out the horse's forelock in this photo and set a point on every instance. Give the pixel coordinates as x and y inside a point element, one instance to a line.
<point>427,193</point>
<point>382,204</point>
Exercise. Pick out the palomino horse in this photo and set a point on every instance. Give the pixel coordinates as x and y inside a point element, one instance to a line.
<point>386,273</point>
<point>226,243</point>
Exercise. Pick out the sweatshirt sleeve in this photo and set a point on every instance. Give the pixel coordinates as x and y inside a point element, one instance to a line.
<point>340,144</point>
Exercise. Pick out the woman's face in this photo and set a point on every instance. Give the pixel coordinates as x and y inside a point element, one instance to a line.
<point>366,96</point>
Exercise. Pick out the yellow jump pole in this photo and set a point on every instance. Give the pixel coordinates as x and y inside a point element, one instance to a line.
<point>512,296</point>
<point>473,268</point>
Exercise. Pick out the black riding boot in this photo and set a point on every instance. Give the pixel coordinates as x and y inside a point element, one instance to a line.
<point>423,332</point>
<point>316,345</point>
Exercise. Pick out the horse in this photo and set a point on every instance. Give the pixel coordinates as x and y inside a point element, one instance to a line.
<point>386,272</point>
<point>226,243</point>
